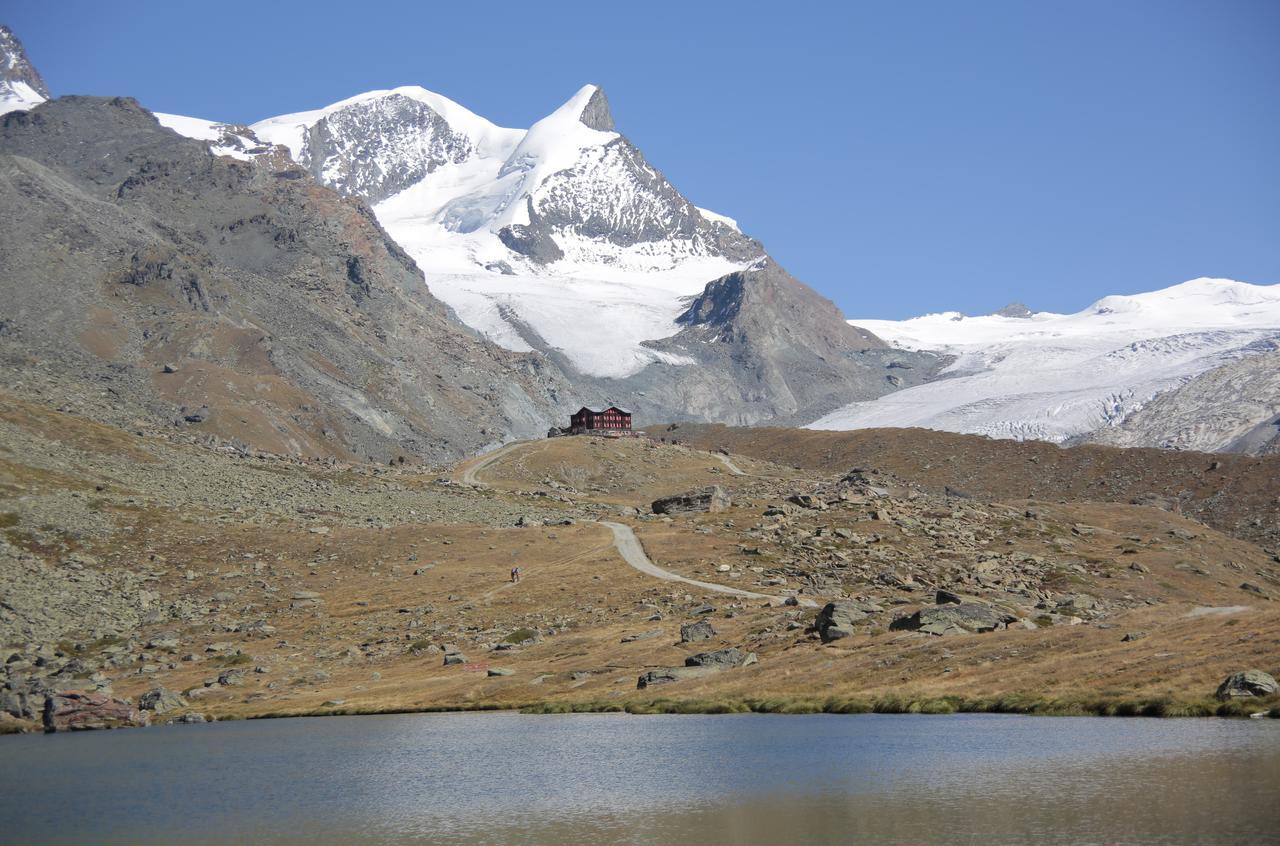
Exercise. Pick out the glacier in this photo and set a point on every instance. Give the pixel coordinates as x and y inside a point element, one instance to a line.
<point>1054,377</point>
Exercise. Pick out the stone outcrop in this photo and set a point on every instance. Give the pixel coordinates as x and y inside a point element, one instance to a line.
<point>76,710</point>
<point>721,659</point>
<point>161,701</point>
<point>951,619</point>
<point>666,675</point>
<point>712,499</point>
<point>839,619</point>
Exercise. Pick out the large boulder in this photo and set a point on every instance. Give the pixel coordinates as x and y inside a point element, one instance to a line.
<point>161,701</point>
<point>965,618</point>
<point>709,499</point>
<point>721,659</point>
<point>1247,683</point>
<point>76,710</point>
<point>694,632</point>
<point>838,619</point>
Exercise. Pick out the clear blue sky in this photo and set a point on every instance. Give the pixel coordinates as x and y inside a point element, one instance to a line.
<point>901,157</point>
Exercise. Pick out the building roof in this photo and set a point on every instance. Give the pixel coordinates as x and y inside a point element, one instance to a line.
<point>603,409</point>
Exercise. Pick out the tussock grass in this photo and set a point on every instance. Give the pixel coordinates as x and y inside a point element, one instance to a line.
<point>1013,704</point>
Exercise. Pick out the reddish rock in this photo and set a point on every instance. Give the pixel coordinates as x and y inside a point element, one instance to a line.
<point>76,710</point>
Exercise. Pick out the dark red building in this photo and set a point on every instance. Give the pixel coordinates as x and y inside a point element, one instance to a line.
<point>600,420</point>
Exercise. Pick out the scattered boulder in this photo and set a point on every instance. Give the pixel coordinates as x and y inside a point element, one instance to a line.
<point>694,632</point>
<point>710,499</point>
<point>500,671</point>
<point>838,619</point>
<point>451,658</point>
<point>632,638</point>
<point>666,675</point>
<point>75,710</point>
<point>721,659</point>
<point>1076,604</point>
<point>1246,683</point>
<point>966,618</point>
<point>161,701</point>
<point>807,501</point>
<point>1130,637</point>
<point>231,678</point>
<point>946,597</point>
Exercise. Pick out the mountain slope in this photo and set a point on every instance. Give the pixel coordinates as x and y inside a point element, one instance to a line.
<point>563,239</point>
<point>287,317</point>
<point>535,237</point>
<point>1055,377</point>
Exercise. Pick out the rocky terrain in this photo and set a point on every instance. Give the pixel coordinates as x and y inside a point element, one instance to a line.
<point>1238,495</point>
<point>239,298</point>
<point>152,577</point>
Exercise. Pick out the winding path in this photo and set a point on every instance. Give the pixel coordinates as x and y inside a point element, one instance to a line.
<point>469,475</point>
<point>734,470</point>
<point>625,540</point>
<point>628,546</point>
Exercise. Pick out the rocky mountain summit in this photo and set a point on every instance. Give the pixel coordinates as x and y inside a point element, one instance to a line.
<point>21,85</point>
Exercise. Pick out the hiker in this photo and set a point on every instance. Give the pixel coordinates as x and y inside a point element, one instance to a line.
<point>514,574</point>
<point>517,572</point>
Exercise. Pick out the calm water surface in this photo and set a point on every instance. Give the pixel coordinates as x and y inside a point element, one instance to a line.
<point>507,778</point>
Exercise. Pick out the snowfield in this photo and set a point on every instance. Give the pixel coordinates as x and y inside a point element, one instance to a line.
<point>1055,376</point>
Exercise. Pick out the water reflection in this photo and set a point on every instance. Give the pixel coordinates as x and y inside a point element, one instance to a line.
<point>503,778</point>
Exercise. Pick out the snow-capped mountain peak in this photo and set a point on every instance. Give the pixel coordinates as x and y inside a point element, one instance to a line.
<point>532,236</point>
<point>21,86</point>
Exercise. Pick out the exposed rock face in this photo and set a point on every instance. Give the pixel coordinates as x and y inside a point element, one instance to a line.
<point>377,148</point>
<point>596,114</point>
<point>767,348</point>
<point>1014,310</point>
<point>1245,684</point>
<point>965,618</point>
<point>639,207</point>
<point>712,499</point>
<point>79,711</point>
<point>1232,408</point>
<point>293,319</point>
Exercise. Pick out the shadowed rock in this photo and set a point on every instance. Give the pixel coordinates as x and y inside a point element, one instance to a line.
<point>712,499</point>
<point>1245,684</point>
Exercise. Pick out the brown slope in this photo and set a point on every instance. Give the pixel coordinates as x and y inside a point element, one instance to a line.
<point>1238,495</point>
